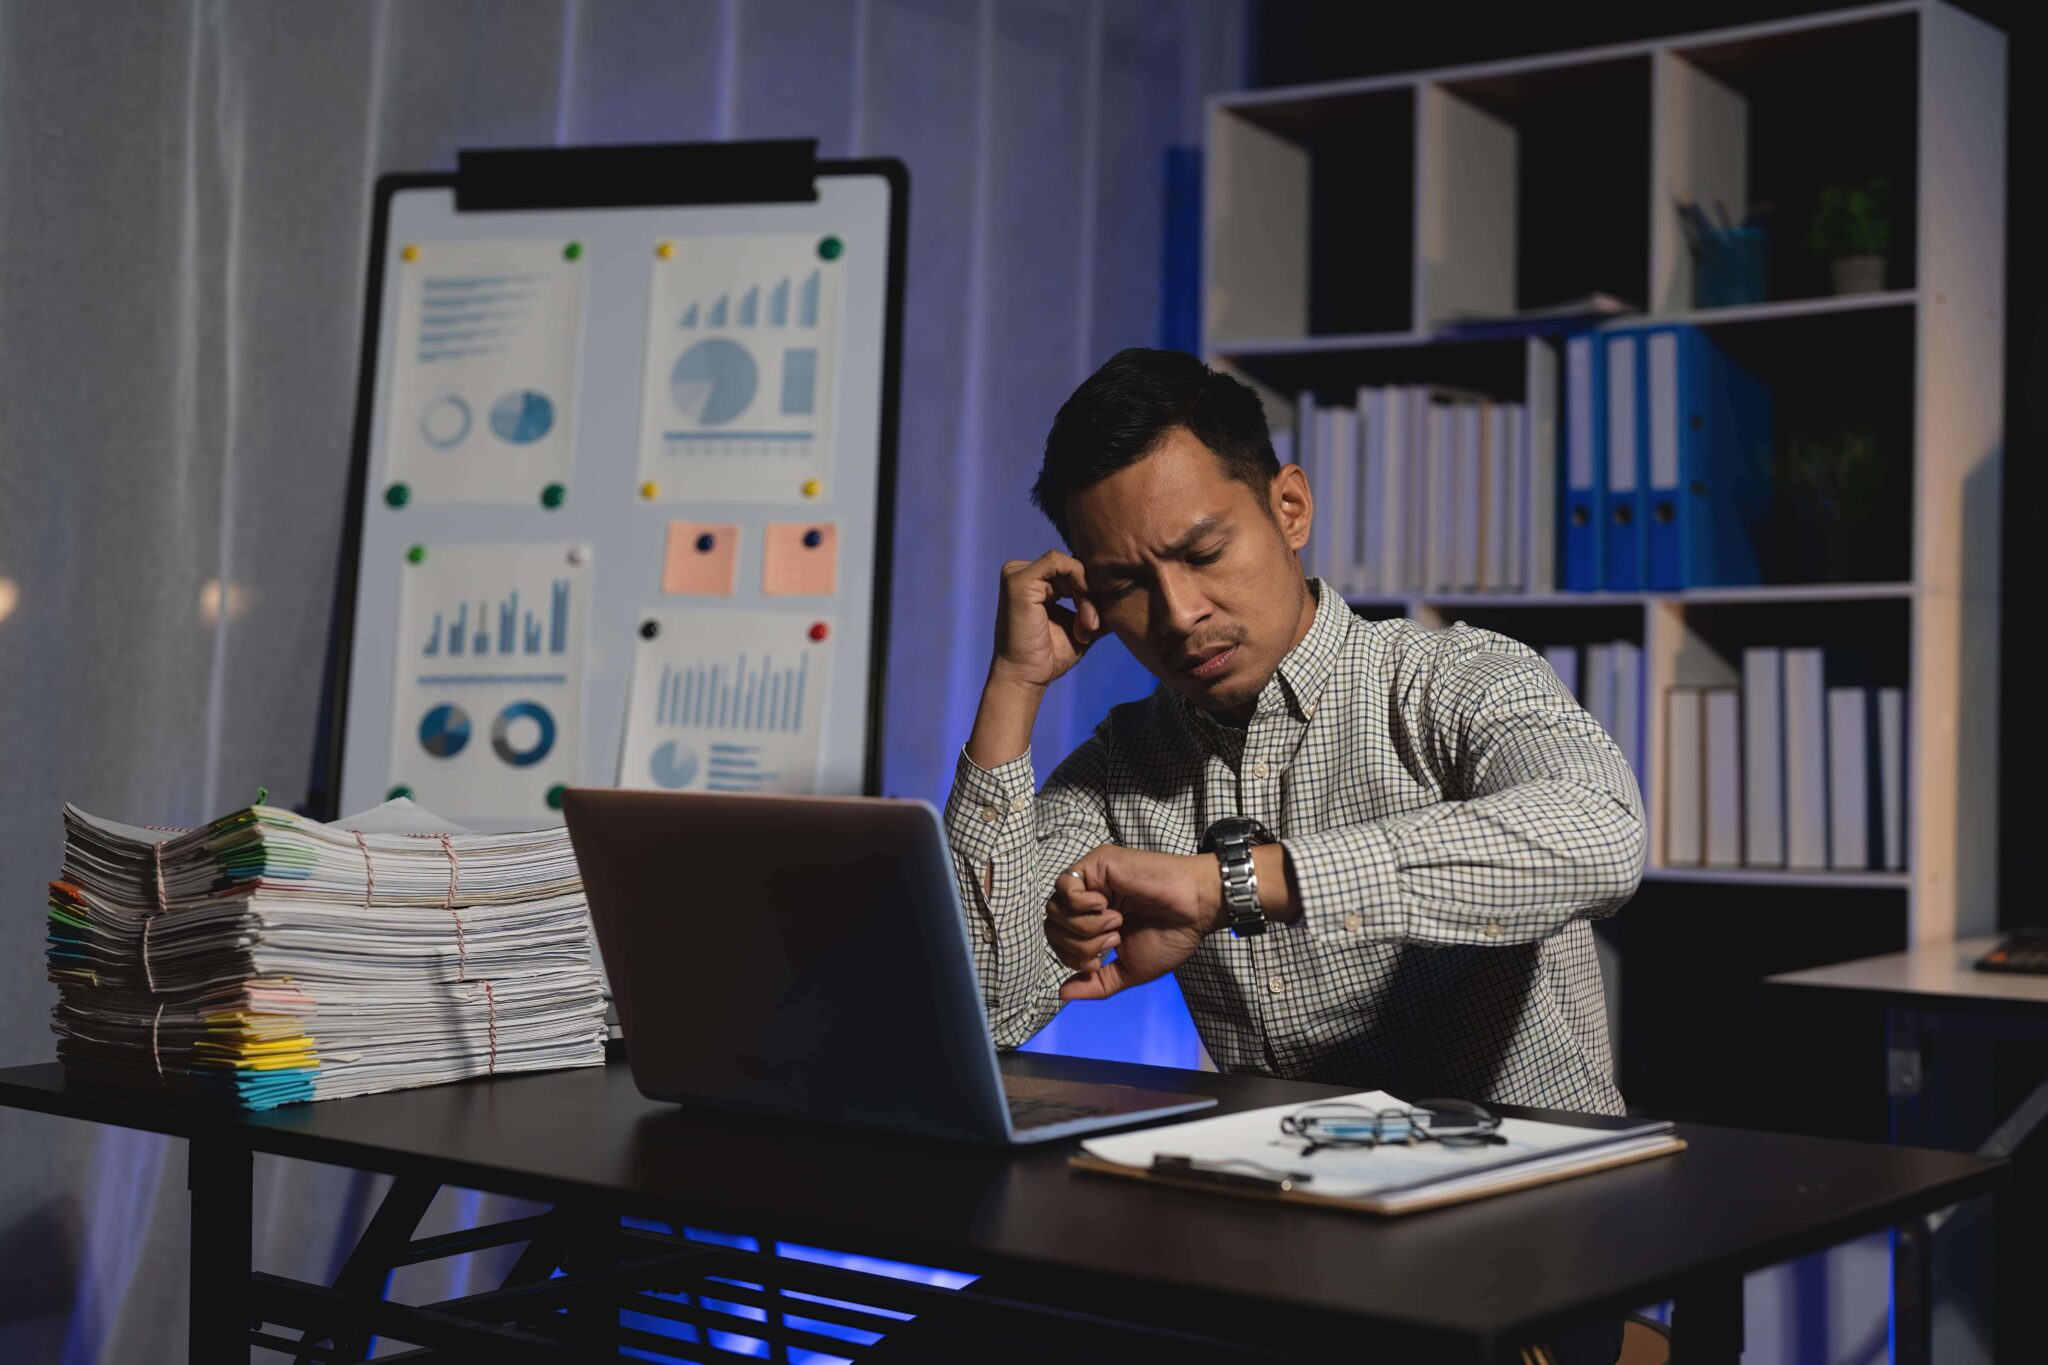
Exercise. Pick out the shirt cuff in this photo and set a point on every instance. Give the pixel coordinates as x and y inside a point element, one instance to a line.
<point>1349,885</point>
<point>989,803</point>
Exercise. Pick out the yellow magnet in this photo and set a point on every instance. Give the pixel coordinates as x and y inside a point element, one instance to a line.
<point>411,252</point>
<point>650,490</point>
<point>812,488</point>
<point>666,250</point>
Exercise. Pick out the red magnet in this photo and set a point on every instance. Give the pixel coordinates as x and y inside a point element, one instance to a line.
<point>820,630</point>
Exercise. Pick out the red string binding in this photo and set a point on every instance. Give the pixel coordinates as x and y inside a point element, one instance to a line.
<point>491,1002</point>
<point>369,870</point>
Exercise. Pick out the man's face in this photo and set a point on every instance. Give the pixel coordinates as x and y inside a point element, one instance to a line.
<point>1194,571</point>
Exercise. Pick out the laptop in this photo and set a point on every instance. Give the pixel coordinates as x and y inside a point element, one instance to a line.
<point>806,957</point>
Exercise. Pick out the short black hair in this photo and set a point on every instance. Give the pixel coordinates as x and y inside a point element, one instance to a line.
<point>1124,410</point>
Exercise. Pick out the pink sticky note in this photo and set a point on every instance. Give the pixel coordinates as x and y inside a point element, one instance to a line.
<point>703,559</point>
<point>800,559</point>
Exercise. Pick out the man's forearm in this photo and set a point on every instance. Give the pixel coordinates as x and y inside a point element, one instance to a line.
<point>1002,724</point>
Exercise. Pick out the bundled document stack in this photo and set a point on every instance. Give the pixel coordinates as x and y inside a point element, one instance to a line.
<point>267,958</point>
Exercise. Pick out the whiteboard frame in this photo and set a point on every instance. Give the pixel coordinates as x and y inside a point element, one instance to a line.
<point>325,789</point>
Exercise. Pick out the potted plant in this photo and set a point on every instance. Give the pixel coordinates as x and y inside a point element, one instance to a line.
<point>1852,231</point>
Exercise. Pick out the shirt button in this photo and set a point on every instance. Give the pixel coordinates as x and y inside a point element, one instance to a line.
<point>1258,770</point>
<point>991,814</point>
<point>1492,929</point>
<point>1020,804</point>
<point>1277,986</point>
<point>1354,924</point>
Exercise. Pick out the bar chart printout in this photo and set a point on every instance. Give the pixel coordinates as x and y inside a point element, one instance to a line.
<point>489,678</point>
<point>726,702</point>
<point>740,347</point>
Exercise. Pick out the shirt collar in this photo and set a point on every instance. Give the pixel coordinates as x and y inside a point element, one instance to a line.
<point>1298,681</point>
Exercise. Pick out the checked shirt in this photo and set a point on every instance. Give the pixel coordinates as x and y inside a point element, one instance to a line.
<point>1454,822</point>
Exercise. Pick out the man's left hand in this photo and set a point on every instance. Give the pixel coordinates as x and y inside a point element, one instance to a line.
<point>1168,904</point>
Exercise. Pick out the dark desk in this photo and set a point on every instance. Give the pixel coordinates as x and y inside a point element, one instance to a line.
<point>1467,1283</point>
<point>1928,992</point>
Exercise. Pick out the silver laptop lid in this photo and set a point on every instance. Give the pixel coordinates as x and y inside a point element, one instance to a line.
<point>804,956</point>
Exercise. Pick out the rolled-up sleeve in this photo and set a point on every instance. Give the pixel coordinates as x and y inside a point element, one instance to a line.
<point>1541,822</point>
<point>1008,844</point>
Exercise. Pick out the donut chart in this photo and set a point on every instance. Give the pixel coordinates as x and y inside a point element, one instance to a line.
<point>523,745</point>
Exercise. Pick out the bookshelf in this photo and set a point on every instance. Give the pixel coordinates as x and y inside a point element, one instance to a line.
<point>1346,222</point>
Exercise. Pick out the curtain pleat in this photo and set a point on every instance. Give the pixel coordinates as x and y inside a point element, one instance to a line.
<point>184,210</point>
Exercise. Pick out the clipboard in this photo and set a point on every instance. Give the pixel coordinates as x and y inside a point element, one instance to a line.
<point>1382,1205</point>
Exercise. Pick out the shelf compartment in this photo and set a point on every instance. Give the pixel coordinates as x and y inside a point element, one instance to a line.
<point>1770,119</point>
<point>1533,188</point>
<point>1770,876</point>
<point>1311,190</point>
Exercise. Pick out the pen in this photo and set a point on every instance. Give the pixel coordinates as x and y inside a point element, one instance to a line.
<point>1187,1168</point>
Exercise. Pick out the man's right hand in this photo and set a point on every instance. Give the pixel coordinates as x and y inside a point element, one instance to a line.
<point>1037,639</point>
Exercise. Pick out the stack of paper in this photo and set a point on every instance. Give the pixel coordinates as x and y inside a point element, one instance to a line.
<point>268,958</point>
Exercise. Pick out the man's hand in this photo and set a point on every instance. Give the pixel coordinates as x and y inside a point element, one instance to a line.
<point>1037,639</point>
<point>1153,909</point>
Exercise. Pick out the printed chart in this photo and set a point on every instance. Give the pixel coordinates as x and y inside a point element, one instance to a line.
<point>740,341</point>
<point>485,372</point>
<point>726,701</point>
<point>490,676</point>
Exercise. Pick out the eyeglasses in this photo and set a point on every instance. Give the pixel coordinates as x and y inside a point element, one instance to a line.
<point>1453,1123</point>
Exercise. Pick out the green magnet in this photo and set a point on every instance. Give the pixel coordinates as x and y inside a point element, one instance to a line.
<point>830,247</point>
<point>554,495</point>
<point>416,555</point>
<point>555,795</point>
<point>573,251</point>
<point>397,495</point>
<point>399,792</point>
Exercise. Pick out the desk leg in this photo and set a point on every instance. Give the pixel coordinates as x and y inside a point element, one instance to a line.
<point>1706,1323</point>
<point>218,1174</point>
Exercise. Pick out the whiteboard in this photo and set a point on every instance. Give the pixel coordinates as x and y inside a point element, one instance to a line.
<point>623,478</point>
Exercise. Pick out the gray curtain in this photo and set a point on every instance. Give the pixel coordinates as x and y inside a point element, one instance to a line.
<point>184,206</point>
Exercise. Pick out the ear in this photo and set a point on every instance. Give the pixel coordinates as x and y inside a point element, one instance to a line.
<point>1288,499</point>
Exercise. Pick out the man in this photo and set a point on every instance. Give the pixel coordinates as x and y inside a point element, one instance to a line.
<point>1418,827</point>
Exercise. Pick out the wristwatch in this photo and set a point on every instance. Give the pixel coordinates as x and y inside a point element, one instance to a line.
<point>1231,840</point>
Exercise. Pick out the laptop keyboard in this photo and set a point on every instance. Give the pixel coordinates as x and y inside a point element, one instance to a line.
<point>1029,1112</point>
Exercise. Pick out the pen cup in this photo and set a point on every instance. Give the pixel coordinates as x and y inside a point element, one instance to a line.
<point>1729,267</point>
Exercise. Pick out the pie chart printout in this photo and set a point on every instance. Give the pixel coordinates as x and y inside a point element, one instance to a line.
<point>673,766</point>
<point>483,372</point>
<point>714,381</point>
<point>444,730</point>
<point>522,417</point>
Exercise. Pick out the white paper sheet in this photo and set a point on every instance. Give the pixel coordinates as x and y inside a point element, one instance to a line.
<point>483,389</point>
<point>489,688</point>
<point>741,341</point>
<point>726,701</point>
<point>1378,1172</point>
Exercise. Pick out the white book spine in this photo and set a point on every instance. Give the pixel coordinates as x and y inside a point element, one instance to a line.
<point>1722,752</point>
<point>1806,761</point>
<point>1763,758</point>
<point>1306,420</point>
<point>1684,787</point>
<point>1514,459</point>
<point>1343,477</point>
<point>1600,686</point>
<point>1891,773</point>
<point>1564,661</point>
<point>1468,498</point>
<point>1628,706</point>
<point>1365,508</point>
<point>1848,780</point>
<point>1436,501</point>
<point>1392,512</point>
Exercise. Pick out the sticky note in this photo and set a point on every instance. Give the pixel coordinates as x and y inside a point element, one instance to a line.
<point>702,559</point>
<point>800,559</point>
